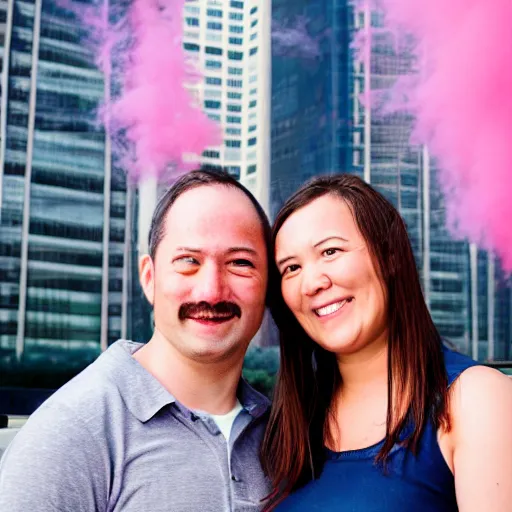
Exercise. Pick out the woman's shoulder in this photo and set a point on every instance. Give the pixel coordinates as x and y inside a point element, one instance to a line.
<point>481,396</point>
<point>481,383</point>
<point>476,390</point>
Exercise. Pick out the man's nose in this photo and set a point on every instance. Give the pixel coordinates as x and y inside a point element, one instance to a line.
<point>314,279</point>
<point>210,285</point>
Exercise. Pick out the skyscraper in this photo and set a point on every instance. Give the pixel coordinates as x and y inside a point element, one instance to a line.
<point>311,121</point>
<point>323,121</point>
<point>230,42</point>
<point>66,226</point>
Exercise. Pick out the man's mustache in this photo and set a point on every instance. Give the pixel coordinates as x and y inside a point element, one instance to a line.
<point>190,309</point>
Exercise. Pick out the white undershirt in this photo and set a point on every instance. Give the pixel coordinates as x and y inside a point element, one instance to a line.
<point>225,421</point>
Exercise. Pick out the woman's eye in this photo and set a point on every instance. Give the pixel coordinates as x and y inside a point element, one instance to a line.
<point>290,268</point>
<point>331,251</point>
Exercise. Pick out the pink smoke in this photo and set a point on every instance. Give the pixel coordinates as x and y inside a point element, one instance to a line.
<point>154,122</point>
<point>462,101</point>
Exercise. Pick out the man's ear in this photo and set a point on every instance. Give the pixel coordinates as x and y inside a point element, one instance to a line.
<point>147,277</point>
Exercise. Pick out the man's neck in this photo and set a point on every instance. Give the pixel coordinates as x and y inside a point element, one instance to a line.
<point>208,387</point>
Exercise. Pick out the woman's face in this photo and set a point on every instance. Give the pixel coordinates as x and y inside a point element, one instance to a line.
<point>328,277</point>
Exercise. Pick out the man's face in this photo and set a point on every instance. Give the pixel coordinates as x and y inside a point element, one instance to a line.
<point>209,275</point>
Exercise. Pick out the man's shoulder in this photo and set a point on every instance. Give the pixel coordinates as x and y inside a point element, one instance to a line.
<point>64,449</point>
<point>89,394</point>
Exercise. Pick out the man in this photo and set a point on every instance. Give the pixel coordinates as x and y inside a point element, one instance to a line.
<point>168,426</point>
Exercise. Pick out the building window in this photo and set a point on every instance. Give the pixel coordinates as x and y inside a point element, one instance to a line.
<point>232,155</point>
<point>252,103</point>
<point>214,25</point>
<point>233,131</point>
<point>234,170</point>
<point>191,47</point>
<point>235,55</point>
<point>238,16</point>
<point>211,167</point>
<point>254,10</point>
<point>211,80</point>
<point>253,78</point>
<point>214,117</point>
<point>236,29</point>
<point>253,91</point>
<point>252,128</point>
<point>253,51</point>
<point>233,119</point>
<point>212,50</point>
<point>212,104</point>
<point>214,13</point>
<point>251,169</point>
<point>236,5</point>
<point>234,95</point>
<point>192,22</point>
<point>236,40</point>
<point>234,108</point>
<point>254,36</point>
<point>187,34</point>
<point>211,154</point>
<point>235,71</point>
<point>251,142</point>
<point>213,35</point>
<point>213,64</point>
<point>192,9</point>
<point>233,144</point>
<point>254,23</point>
<point>234,83</point>
<point>213,93</point>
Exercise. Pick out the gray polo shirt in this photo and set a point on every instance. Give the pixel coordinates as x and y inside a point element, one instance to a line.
<point>113,439</point>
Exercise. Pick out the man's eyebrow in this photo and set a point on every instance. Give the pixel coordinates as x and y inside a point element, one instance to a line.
<point>188,249</point>
<point>231,250</point>
<point>250,250</point>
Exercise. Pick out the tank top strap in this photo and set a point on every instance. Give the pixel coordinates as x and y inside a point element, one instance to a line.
<point>456,363</point>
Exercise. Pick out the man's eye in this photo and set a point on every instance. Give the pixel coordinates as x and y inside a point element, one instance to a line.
<point>187,260</point>
<point>243,263</point>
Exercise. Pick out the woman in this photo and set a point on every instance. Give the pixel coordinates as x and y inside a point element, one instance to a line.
<point>371,413</point>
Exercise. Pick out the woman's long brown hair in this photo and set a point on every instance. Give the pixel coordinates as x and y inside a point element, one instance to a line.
<point>293,450</point>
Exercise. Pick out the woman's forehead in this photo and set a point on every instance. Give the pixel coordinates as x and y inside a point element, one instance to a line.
<point>324,213</point>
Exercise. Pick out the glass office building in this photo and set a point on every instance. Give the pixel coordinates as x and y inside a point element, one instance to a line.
<point>322,123</point>
<point>67,230</point>
<point>229,40</point>
<point>310,121</point>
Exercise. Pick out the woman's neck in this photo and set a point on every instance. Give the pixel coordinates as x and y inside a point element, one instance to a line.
<point>364,370</point>
<point>359,407</point>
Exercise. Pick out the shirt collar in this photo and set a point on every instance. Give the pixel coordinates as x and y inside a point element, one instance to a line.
<point>253,402</point>
<point>143,394</point>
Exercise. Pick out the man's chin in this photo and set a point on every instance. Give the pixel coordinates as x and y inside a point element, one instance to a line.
<point>212,351</point>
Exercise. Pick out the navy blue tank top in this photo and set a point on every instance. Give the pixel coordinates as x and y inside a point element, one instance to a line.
<point>351,482</point>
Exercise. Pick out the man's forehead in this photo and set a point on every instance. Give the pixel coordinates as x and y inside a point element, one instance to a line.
<point>207,201</point>
<point>216,216</point>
